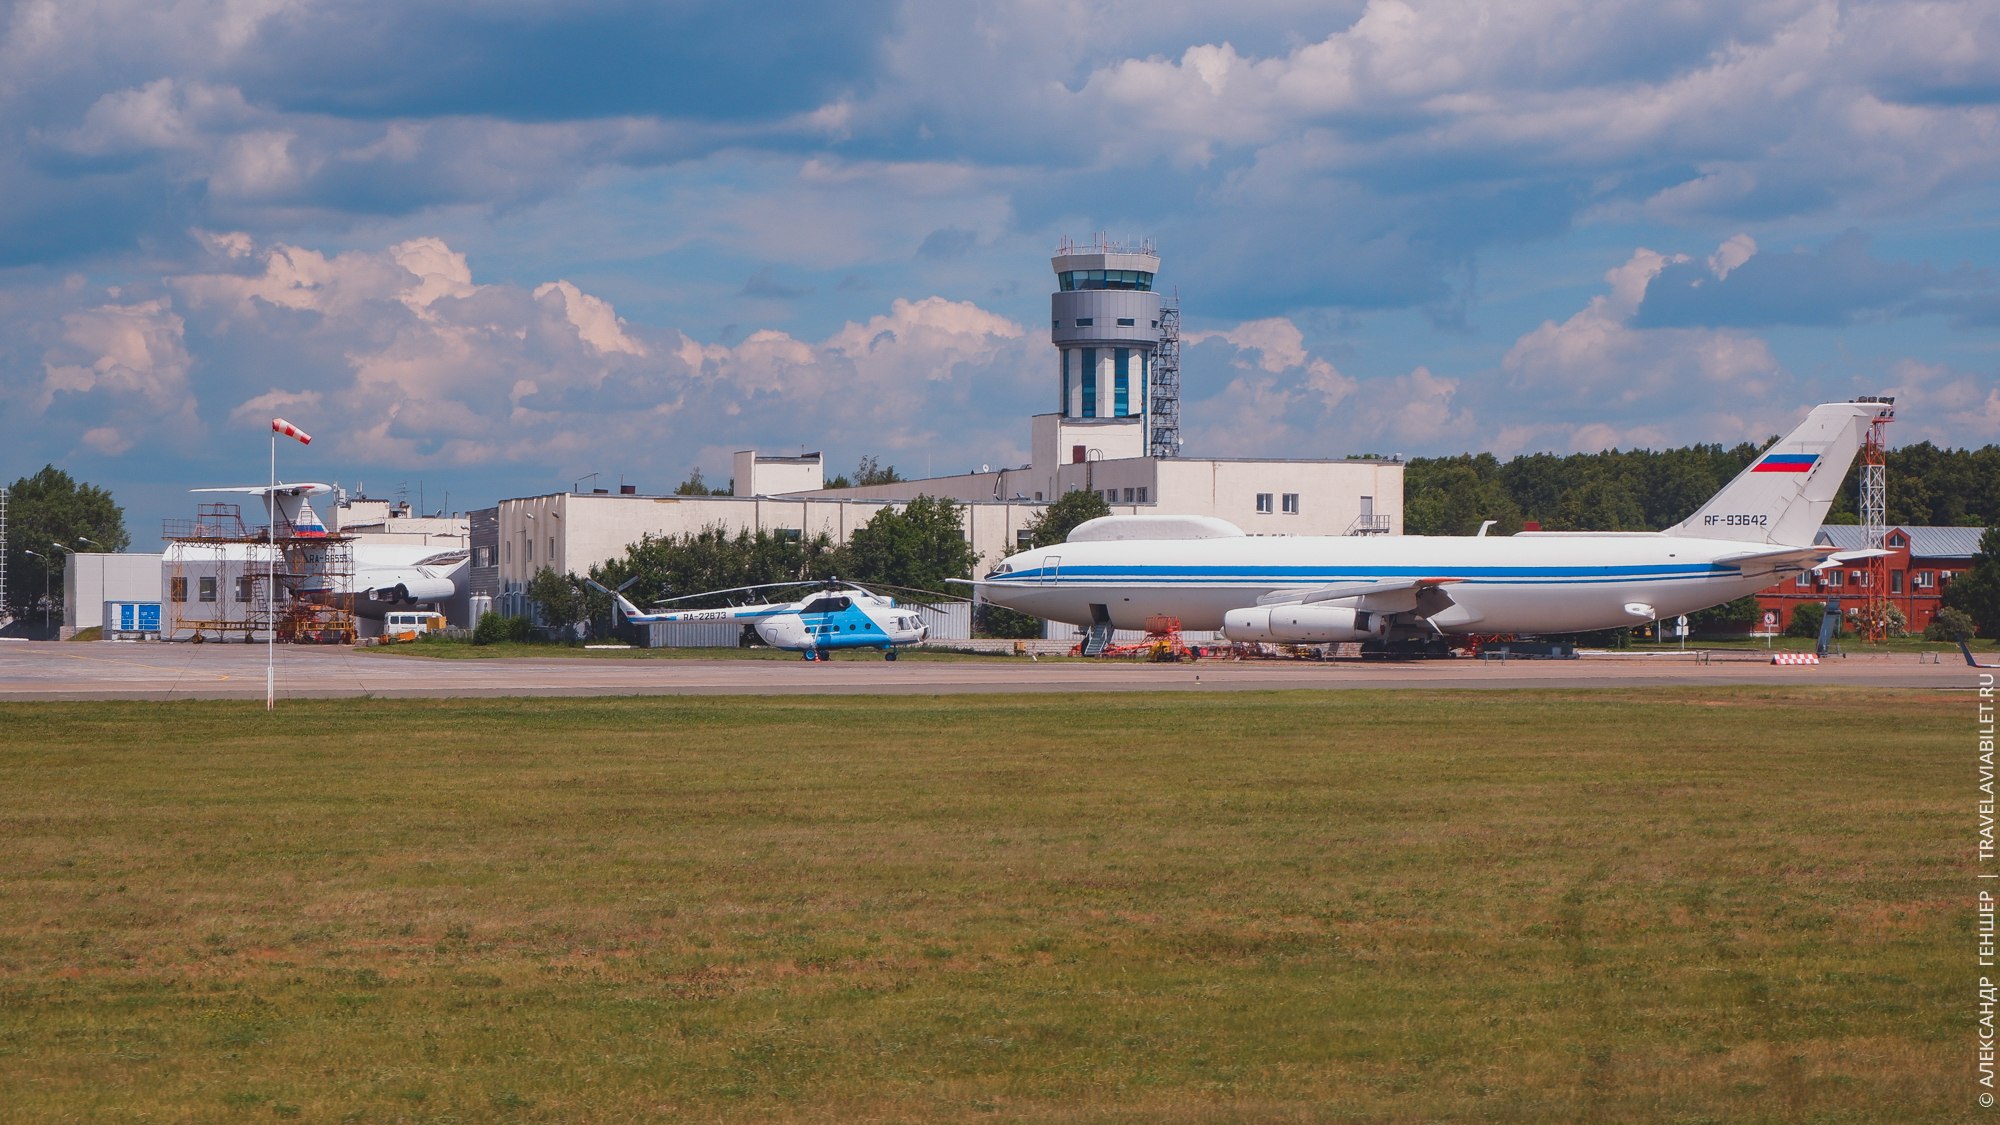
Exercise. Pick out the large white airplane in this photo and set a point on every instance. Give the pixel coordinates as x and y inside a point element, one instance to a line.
<point>384,577</point>
<point>1122,570</point>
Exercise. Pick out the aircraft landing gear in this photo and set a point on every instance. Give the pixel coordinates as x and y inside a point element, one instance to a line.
<point>889,655</point>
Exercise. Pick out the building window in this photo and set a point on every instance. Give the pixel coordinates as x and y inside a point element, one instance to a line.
<point>1804,580</point>
<point>1121,383</point>
<point>1142,494</point>
<point>1127,322</point>
<point>1264,503</point>
<point>528,546</point>
<point>789,534</point>
<point>1895,581</point>
<point>1925,580</point>
<point>1110,496</point>
<point>1291,503</point>
<point>206,589</point>
<point>243,584</point>
<point>177,589</point>
<point>1023,540</point>
<point>1835,579</point>
<point>552,548</point>
<point>1089,376</point>
<point>1895,540</point>
<point>507,549</point>
<point>1128,495</point>
<point>1086,321</point>
<point>1864,578</point>
<point>1062,361</point>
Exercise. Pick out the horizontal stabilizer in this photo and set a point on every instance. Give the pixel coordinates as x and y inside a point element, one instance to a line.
<point>1783,559</point>
<point>1844,557</point>
<point>303,489</point>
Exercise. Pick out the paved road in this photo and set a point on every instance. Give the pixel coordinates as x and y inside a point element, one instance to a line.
<point>32,670</point>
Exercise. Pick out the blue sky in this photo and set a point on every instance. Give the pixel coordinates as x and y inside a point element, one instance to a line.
<point>488,252</point>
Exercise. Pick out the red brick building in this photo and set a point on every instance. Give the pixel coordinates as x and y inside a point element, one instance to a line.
<point>1922,562</point>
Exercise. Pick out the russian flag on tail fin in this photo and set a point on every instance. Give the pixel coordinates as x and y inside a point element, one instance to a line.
<point>1787,463</point>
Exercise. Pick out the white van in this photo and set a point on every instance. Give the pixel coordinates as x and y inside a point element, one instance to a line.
<point>410,626</point>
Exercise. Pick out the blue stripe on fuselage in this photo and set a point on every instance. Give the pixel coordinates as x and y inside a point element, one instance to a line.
<point>1306,575</point>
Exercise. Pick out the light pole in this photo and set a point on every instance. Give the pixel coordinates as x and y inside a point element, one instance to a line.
<point>278,426</point>
<point>45,584</point>
<point>66,564</point>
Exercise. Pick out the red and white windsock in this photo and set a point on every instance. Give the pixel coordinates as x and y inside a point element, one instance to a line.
<point>279,425</point>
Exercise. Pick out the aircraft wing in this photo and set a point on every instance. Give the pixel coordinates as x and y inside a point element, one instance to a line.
<point>1389,595</point>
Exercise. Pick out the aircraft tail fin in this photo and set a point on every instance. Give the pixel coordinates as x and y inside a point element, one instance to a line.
<point>1967,650</point>
<point>1783,497</point>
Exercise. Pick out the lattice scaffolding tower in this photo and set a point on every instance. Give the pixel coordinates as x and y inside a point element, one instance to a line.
<point>3,555</point>
<point>1874,532</point>
<point>1165,438</point>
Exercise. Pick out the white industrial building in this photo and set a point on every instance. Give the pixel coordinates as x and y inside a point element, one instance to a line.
<point>1117,433</point>
<point>210,578</point>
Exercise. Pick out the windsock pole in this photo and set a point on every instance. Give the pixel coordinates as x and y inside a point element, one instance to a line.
<point>278,426</point>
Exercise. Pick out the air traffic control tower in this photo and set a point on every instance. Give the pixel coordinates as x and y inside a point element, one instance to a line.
<point>1105,324</point>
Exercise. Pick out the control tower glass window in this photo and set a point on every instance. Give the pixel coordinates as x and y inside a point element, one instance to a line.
<point>1073,280</point>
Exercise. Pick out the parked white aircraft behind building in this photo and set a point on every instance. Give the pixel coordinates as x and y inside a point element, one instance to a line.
<point>384,576</point>
<point>1122,570</point>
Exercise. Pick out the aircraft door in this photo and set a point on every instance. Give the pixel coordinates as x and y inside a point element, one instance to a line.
<point>1051,567</point>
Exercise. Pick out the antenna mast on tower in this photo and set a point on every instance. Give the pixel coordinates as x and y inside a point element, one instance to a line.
<point>1165,440</point>
<point>1874,531</point>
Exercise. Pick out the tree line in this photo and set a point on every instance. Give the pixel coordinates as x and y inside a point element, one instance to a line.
<point>1646,490</point>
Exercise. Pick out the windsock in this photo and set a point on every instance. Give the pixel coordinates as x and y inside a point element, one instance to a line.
<point>279,425</point>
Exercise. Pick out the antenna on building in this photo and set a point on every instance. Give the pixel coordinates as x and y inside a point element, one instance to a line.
<point>1165,440</point>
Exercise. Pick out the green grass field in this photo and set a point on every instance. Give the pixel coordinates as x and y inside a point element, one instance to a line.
<point>1694,905</point>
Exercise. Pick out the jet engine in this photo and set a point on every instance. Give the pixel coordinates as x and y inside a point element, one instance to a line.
<point>412,590</point>
<point>1304,624</point>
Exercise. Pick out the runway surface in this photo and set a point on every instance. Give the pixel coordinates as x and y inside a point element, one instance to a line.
<point>31,670</point>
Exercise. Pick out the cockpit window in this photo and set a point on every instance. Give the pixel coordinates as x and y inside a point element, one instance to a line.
<point>826,605</point>
<point>1003,568</point>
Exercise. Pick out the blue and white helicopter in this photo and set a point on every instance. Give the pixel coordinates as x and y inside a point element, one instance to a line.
<point>835,616</point>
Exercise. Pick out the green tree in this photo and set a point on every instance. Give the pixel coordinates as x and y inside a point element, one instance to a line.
<point>47,509</point>
<point>712,559</point>
<point>1976,592</point>
<point>694,485</point>
<point>1602,503</point>
<point>1454,495</point>
<point>1949,625</point>
<point>1806,618</point>
<point>1729,617</point>
<point>921,546</point>
<point>867,473</point>
<point>560,599</point>
<point>1057,520</point>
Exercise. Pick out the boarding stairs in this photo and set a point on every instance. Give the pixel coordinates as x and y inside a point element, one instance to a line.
<point>1097,639</point>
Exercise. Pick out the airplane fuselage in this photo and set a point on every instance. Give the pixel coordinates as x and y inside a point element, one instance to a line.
<point>1497,584</point>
